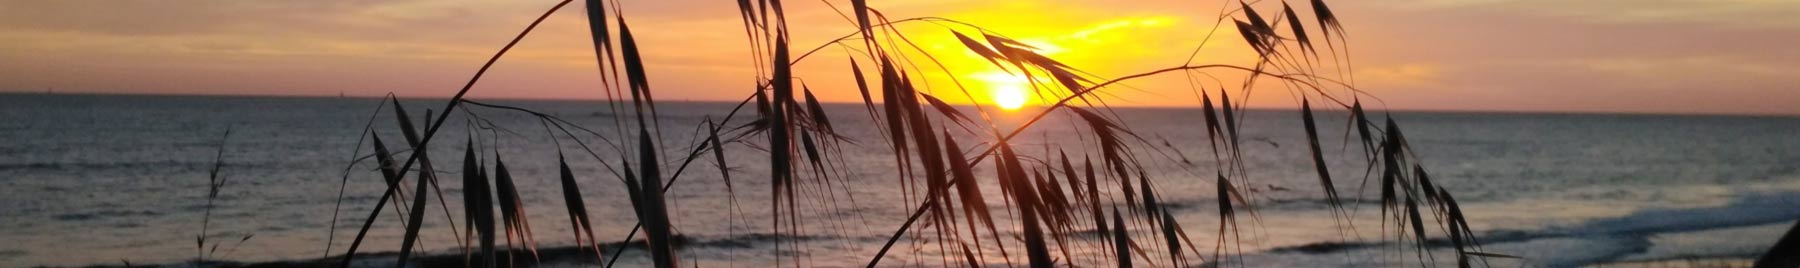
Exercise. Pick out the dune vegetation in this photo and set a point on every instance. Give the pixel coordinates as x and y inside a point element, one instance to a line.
<point>1051,203</point>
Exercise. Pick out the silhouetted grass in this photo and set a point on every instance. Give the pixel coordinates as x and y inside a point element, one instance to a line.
<point>214,183</point>
<point>934,172</point>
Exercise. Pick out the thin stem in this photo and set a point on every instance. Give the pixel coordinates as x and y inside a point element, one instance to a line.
<point>432,131</point>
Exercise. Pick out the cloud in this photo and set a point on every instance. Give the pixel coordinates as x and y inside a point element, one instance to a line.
<point>1412,75</point>
<point>1685,68</point>
<point>1442,54</point>
<point>1729,13</point>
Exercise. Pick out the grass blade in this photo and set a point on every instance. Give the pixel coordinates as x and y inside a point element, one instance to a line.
<point>949,111</point>
<point>478,205</point>
<point>654,212</point>
<point>1037,253</point>
<point>1093,196</point>
<point>1121,241</point>
<point>862,86</point>
<point>718,152</point>
<point>512,210</point>
<point>214,183</point>
<point>817,112</point>
<point>1299,31</point>
<point>979,49</point>
<point>1328,22</point>
<point>579,223</point>
<point>416,219</point>
<point>1318,157</point>
<point>393,180</point>
<point>1169,235</point>
<point>969,192</point>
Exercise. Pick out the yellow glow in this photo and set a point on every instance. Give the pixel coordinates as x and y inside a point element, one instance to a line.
<point>1090,44</point>
<point>1009,97</point>
<point>1008,91</point>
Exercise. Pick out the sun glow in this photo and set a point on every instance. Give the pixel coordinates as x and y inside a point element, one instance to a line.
<point>1009,91</point>
<point>1009,97</point>
<point>999,82</point>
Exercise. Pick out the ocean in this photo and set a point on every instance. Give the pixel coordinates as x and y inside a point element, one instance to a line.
<point>110,179</point>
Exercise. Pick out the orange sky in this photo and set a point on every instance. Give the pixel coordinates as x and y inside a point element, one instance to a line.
<point>1675,56</point>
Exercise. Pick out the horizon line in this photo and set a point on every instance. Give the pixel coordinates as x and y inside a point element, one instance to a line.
<point>1195,106</point>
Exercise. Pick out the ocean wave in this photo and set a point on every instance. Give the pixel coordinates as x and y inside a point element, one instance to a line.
<point>752,240</point>
<point>1750,209</point>
<point>567,253</point>
<point>1285,204</point>
<point>1626,234</point>
<point>103,214</point>
<point>134,166</point>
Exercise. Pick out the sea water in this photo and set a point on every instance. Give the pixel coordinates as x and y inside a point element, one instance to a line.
<point>110,179</point>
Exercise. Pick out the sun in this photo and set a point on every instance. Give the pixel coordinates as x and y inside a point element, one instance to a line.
<point>1010,97</point>
<point>1009,91</point>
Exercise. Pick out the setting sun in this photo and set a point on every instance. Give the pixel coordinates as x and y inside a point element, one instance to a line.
<point>1555,134</point>
<point>1009,97</point>
<point>1006,90</point>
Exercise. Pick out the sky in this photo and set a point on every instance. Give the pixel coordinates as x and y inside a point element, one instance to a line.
<point>1639,56</point>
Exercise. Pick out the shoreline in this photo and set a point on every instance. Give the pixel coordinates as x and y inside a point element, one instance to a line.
<point>1684,262</point>
<point>573,256</point>
<point>551,255</point>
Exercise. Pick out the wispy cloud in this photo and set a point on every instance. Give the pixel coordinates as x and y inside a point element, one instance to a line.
<point>1631,55</point>
<point>1731,13</point>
